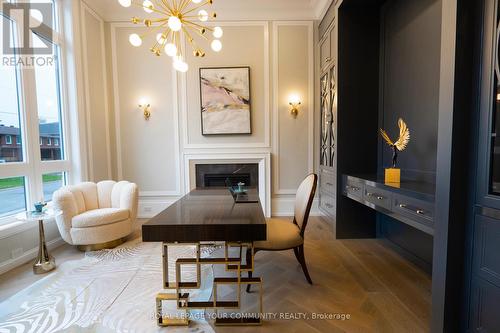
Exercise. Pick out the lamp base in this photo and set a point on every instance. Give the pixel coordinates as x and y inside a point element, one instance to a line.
<point>392,176</point>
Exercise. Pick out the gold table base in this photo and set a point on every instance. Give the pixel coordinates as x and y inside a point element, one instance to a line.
<point>182,299</point>
<point>44,262</point>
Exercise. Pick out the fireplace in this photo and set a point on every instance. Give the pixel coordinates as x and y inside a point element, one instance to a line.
<point>219,175</point>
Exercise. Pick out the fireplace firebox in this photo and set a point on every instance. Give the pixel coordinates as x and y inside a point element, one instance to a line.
<point>219,175</point>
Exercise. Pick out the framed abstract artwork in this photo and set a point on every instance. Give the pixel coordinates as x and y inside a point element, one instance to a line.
<point>225,101</point>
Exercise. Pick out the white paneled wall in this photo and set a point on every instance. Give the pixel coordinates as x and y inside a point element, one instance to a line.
<point>150,153</point>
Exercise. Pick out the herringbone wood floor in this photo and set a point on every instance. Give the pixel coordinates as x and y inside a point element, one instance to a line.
<point>381,291</point>
<point>366,279</point>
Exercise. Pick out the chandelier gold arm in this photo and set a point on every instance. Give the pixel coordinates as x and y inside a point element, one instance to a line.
<point>183,5</point>
<point>149,8</point>
<point>195,29</point>
<point>197,7</point>
<point>199,26</point>
<point>153,29</point>
<point>167,6</point>
<point>176,22</point>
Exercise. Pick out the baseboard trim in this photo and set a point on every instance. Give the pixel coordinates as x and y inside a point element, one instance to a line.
<point>28,256</point>
<point>149,208</point>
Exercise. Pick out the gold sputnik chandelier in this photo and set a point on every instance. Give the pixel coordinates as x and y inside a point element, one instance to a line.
<point>176,18</point>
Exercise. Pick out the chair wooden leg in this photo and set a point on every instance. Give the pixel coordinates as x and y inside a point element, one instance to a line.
<point>299,254</point>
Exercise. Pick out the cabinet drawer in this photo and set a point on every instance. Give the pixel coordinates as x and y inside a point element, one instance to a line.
<point>354,188</point>
<point>327,203</point>
<point>416,210</point>
<point>484,307</point>
<point>327,182</point>
<point>486,249</point>
<point>378,197</point>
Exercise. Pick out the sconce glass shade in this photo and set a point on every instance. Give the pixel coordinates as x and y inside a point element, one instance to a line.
<point>294,100</point>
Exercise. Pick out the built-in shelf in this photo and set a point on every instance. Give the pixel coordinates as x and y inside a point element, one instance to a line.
<point>411,202</point>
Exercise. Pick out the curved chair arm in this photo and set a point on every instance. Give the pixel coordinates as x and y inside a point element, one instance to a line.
<point>129,199</point>
<point>64,201</point>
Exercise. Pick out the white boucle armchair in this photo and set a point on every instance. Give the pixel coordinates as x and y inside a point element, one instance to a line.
<point>96,216</point>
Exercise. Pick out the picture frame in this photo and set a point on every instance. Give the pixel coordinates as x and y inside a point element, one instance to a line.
<point>225,100</point>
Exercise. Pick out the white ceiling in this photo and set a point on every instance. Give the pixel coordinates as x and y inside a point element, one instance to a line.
<point>229,10</point>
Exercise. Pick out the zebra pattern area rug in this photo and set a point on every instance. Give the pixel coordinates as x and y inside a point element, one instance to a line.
<point>107,291</point>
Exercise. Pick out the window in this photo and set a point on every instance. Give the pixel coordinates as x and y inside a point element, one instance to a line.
<point>30,93</point>
<point>10,114</point>
<point>51,183</point>
<point>12,195</point>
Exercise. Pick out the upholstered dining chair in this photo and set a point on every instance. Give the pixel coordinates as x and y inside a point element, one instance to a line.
<point>283,234</point>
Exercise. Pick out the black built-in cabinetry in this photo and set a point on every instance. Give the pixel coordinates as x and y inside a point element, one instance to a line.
<point>483,269</point>
<point>412,59</point>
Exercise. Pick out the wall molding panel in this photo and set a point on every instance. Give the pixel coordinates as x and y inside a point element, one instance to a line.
<point>174,105</point>
<point>85,9</point>
<point>277,190</point>
<point>279,200</point>
<point>267,83</point>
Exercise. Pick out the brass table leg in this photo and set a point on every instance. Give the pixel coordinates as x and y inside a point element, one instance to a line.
<point>44,262</point>
<point>182,298</point>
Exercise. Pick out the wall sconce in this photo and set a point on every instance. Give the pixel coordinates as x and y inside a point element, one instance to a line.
<point>294,102</point>
<point>146,108</point>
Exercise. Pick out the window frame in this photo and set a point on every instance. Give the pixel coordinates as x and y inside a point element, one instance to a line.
<point>32,168</point>
<point>8,139</point>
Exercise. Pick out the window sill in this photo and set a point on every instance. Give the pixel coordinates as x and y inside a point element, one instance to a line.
<point>15,227</point>
<point>11,226</point>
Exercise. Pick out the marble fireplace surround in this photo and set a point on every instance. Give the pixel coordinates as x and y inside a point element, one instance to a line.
<point>262,159</point>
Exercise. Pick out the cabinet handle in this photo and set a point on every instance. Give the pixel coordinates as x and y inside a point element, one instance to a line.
<point>329,184</point>
<point>379,197</point>
<point>328,205</point>
<point>352,188</point>
<point>418,210</point>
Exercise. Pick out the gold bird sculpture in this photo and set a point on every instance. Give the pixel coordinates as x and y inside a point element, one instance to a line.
<point>401,143</point>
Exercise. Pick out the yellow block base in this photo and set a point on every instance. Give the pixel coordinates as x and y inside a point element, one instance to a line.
<point>392,175</point>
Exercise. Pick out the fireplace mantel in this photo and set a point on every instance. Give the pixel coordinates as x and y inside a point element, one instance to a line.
<point>262,159</point>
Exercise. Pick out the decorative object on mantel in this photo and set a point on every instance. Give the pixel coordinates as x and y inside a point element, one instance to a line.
<point>294,102</point>
<point>393,175</point>
<point>225,100</point>
<point>175,21</point>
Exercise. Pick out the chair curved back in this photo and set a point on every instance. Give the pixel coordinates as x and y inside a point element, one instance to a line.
<point>304,200</point>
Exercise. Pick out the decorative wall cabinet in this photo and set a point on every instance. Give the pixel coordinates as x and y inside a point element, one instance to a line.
<point>328,107</point>
<point>484,277</point>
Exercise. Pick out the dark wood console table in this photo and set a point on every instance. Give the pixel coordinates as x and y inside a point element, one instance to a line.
<point>208,215</point>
